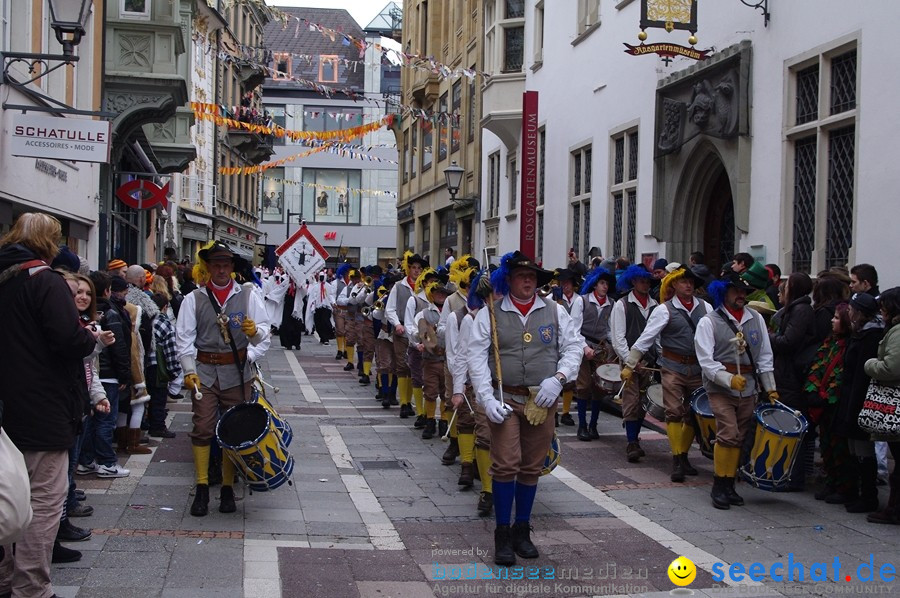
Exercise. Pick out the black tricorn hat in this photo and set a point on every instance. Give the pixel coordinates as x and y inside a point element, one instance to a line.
<point>417,259</point>
<point>218,250</point>
<point>733,279</point>
<point>519,260</point>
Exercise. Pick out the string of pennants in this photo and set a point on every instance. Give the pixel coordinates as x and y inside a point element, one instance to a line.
<point>214,113</point>
<point>405,110</point>
<point>405,59</point>
<point>331,187</point>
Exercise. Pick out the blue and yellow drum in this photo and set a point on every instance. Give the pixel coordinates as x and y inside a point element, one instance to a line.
<point>704,422</point>
<point>248,436</point>
<point>552,459</point>
<point>779,432</point>
<point>281,425</point>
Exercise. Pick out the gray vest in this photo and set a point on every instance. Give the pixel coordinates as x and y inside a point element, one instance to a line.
<point>526,363</point>
<point>566,305</point>
<point>724,351</point>
<point>678,336</point>
<point>595,324</point>
<point>455,302</point>
<point>209,337</point>
<point>352,309</point>
<point>403,295</point>
<point>432,318</point>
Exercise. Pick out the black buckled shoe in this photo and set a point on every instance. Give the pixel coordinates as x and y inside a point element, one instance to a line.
<point>733,497</point>
<point>633,452</point>
<point>339,356</point>
<point>364,380</point>
<point>226,500</point>
<point>349,367</point>
<point>677,469</point>
<point>200,506</point>
<point>504,555</point>
<point>592,430</point>
<point>466,475</point>
<point>583,434</point>
<point>566,419</point>
<point>719,494</point>
<point>485,504</point>
<point>420,421</point>
<point>686,465</point>
<point>452,452</point>
<point>429,430</point>
<point>521,540</point>
<point>405,411</point>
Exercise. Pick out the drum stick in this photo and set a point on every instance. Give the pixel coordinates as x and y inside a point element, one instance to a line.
<point>197,394</point>
<point>446,435</point>
<point>791,409</point>
<point>618,396</point>
<point>275,389</point>
<point>472,411</point>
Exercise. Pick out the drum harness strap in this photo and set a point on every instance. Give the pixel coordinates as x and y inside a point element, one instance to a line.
<point>749,352</point>
<point>237,359</point>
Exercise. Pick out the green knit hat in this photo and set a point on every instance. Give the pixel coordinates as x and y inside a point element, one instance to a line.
<point>757,276</point>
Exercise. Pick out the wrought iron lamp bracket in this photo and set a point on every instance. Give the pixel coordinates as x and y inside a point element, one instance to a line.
<point>761,5</point>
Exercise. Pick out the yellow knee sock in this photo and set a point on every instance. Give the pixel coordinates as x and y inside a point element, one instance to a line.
<point>725,460</point>
<point>201,463</point>
<point>351,353</point>
<point>483,459</point>
<point>467,447</point>
<point>228,470</point>
<point>404,390</point>
<point>687,437</point>
<point>367,369</point>
<point>429,409</point>
<point>419,395</point>
<point>340,343</point>
<point>567,401</point>
<point>673,431</point>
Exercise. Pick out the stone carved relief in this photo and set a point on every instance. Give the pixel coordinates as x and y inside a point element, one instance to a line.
<point>708,106</point>
<point>134,50</point>
<point>120,102</point>
<point>164,132</point>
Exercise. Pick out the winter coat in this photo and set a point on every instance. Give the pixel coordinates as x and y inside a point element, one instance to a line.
<point>44,349</point>
<point>863,346</point>
<point>115,360</point>
<point>885,368</point>
<point>794,347</point>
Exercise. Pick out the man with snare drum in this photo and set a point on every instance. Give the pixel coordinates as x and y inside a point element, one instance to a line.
<point>673,324</point>
<point>733,348</point>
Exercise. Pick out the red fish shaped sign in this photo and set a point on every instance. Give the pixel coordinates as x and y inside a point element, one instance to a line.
<point>141,194</point>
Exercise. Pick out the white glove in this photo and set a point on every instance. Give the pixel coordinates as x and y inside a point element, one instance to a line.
<point>550,390</point>
<point>494,411</point>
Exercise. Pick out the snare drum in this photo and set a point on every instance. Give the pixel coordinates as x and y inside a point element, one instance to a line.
<point>779,432</point>
<point>653,402</point>
<point>248,437</point>
<point>609,377</point>
<point>281,425</point>
<point>552,459</point>
<point>704,422</point>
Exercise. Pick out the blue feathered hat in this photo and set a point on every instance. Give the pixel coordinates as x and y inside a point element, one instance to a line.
<point>511,261</point>
<point>344,269</point>
<point>479,289</point>
<point>595,276</point>
<point>716,289</point>
<point>632,273</point>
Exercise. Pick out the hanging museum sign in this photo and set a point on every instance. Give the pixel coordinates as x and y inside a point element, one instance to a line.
<point>667,51</point>
<point>73,139</point>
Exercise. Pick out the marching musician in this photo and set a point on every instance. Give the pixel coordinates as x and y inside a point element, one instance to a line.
<point>215,326</point>
<point>628,320</point>
<point>539,351</point>
<point>595,330</point>
<point>414,306</point>
<point>473,431</point>
<point>395,310</point>
<point>384,343</point>
<point>431,347</point>
<point>461,271</point>
<point>345,313</point>
<point>365,331</point>
<point>673,326</point>
<point>568,280</point>
<point>733,349</point>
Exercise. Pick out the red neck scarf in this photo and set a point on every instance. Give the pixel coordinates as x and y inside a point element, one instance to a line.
<point>689,304</point>
<point>221,294</point>
<point>523,308</point>
<point>642,300</point>
<point>322,291</point>
<point>600,300</point>
<point>737,313</point>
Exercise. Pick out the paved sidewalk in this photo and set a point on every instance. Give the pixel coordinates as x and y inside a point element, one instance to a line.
<point>373,513</point>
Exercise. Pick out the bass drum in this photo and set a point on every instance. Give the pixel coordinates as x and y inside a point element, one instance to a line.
<point>704,422</point>
<point>249,438</point>
<point>779,432</point>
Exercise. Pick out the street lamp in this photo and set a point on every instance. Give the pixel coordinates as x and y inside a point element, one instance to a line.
<point>453,175</point>
<point>68,17</point>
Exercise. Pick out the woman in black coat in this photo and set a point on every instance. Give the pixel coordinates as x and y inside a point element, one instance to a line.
<point>794,347</point>
<point>867,333</point>
<point>827,293</point>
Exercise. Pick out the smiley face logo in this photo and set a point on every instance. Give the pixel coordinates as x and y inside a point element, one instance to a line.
<point>682,571</point>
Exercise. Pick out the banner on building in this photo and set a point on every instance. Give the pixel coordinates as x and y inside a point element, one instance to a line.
<point>528,212</point>
<point>73,139</point>
<point>302,256</point>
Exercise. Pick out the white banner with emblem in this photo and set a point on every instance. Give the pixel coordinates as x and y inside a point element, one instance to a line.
<point>302,256</point>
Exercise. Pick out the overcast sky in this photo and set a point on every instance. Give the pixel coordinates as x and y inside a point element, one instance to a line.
<point>361,10</point>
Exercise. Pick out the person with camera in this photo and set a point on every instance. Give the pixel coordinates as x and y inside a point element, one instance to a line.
<point>522,349</point>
